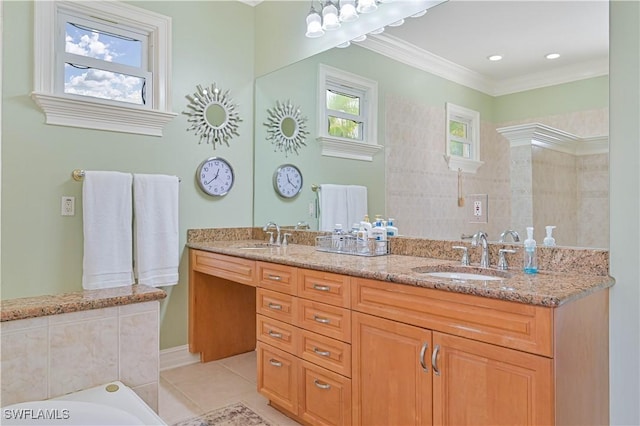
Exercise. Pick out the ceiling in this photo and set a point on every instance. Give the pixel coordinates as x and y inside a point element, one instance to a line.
<point>455,38</point>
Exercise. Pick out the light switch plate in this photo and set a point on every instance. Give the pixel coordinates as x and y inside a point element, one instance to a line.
<point>478,208</point>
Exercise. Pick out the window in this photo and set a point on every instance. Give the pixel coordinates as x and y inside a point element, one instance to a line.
<point>103,65</point>
<point>348,110</point>
<point>463,139</point>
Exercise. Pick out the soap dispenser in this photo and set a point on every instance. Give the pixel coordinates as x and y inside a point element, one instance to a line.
<point>530,259</point>
<point>549,241</point>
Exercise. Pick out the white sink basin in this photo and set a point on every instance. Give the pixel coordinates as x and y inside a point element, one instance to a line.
<point>463,276</point>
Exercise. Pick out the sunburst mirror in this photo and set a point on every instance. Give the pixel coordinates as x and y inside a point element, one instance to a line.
<point>286,128</point>
<point>213,115</point>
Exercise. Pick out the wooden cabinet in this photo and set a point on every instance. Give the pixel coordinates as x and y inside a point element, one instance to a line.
<point>304,351</point>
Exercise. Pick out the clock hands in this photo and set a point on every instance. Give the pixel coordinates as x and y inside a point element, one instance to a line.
<point>214,178</point>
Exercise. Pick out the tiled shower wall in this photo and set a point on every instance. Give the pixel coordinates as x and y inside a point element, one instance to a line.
<point>422,191</point>
<point>55,355</point>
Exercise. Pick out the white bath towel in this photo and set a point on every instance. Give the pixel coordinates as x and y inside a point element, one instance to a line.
<point>106,215</point>
<point>333,207</point>
<point>356,204</point>
<point>156,251</point>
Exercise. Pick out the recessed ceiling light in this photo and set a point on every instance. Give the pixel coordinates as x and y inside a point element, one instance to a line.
<point>345,44</point>
<point>494,57</point>
<point>378,31</point>
<point>419,14</point>
<point>363,37</point>
<point>397,23</point>
<point>552,56</point>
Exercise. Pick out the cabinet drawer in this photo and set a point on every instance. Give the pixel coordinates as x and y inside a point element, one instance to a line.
<point>276,277</point>
<point>326,352</point>
<point>324,287</point>
<point>278,376</point>
<point>228,267</point>
<point>276,305</point>
<point>324,396</point>
<point>509,324</point>
<point>277,333</point>
<point>324,319</point>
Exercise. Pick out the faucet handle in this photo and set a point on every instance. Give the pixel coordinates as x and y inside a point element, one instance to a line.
<point>285,241</point>
<point>502,260</point>
<point>465,254</point>
<point>270,237</point>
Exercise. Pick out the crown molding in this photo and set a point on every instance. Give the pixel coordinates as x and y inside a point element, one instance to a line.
<point>401,51</point>
<point>551,138</point>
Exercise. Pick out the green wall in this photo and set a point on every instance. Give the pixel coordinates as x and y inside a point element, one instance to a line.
<point>41,250</point>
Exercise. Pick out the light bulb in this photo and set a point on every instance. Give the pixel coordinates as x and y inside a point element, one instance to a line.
<point>348,11</point>
<point>378,31</point>
<point>397,23</point>
<point>314,24</point>
<point>367,6</point>
<point>363,37</point>
<point>330,19</point>
<point>345,44</point>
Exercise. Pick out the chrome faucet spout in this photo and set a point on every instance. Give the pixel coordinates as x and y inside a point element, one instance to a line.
<point>273,225</point>
<point>484,257</point>
<point>514,235</point>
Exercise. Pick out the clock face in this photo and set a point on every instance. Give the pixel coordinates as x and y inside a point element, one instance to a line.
<point>215,176</point>
<point>287,181</point>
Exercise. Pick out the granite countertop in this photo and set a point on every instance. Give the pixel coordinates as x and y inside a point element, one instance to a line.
<point>545,288</point>
<point>39,306</point>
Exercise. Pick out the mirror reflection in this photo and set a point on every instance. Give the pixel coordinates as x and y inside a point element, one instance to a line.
<point>215,115</point>
<point>288,127</point>
<point>527,183</point>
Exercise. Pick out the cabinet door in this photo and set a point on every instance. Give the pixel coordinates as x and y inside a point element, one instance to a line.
<point>483,384</point>
<point>324,396</point>
<point>391,373</point>
<point>278,377</point>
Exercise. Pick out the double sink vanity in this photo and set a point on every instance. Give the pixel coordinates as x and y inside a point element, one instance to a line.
<point>406,338</point>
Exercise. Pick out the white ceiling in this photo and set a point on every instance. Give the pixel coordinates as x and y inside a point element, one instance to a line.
<point>455,38</point>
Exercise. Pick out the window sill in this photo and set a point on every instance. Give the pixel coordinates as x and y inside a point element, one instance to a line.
<point>345,148</point>
<point>462,164</point>
<point>64,111</point>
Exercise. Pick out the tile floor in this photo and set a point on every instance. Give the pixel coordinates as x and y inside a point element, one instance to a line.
<point>195,389</point>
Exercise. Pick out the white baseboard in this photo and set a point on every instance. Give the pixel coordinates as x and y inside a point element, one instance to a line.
<point>177,357</point>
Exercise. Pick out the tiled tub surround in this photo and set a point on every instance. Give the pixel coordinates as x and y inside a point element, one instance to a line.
<point>54,345</point>
<point>547,288</point>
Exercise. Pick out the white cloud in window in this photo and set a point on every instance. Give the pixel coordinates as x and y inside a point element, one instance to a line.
<point>90,46</point>
<point>105,85</point>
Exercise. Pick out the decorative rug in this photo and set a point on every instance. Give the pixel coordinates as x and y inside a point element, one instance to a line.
<point>232,415</point>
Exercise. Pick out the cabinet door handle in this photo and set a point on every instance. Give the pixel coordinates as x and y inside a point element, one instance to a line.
<point>423,352</point>
<point>321,385</point>
<point>321,287</point>
<point>274,277</point>
<point>275,334</point>
<point>275,363</point>
<point>321,320</point>
<point>434,360</point>
<point>321,352</point>
<point>275,306</point>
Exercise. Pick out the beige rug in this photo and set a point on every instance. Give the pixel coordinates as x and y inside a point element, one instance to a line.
<point>232,415</point>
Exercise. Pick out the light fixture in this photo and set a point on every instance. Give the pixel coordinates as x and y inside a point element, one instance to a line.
<point>419,14</point>
<point>348,11</point>
<point>366,6</point>
<point>330,19</point>
<point>552,56</point>
<point>494,58</point>
<point>397,23</point>
<point>363,37</point>
<point>344,45</point>
<point>377,31</point>
<point>314,23</point>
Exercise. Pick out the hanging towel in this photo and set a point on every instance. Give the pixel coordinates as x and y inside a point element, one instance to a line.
<point>106,216</point>
<point>356,204</point>
<point>156,251</point>
<point>333,207</point>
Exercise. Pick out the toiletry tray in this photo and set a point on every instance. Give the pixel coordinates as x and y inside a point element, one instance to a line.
<point>348,244</point>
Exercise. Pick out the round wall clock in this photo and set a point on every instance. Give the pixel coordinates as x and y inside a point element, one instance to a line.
<point>287,181</point>
<point>215,176</point>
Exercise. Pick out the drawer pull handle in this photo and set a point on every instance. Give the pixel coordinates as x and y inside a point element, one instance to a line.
<point>321,287</point>
<point>321,352</point>
<point>275,306</point>
<point>275,334</point>
<point>275,363</point>
<point>274,277</point>
<point>423,351</point>
<point>321,385</point>
<point>321,320</point>
<point>434,360</point>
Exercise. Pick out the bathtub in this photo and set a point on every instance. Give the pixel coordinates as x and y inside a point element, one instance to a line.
<point>110,404</point>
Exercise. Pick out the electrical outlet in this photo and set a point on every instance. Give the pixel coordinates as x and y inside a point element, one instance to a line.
<point>479,208</point>
<point>68,206</point>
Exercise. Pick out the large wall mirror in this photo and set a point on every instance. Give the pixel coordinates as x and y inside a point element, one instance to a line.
<point>410,181</point>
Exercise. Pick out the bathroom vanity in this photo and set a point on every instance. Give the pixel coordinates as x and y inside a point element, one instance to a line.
<point>372,341</point>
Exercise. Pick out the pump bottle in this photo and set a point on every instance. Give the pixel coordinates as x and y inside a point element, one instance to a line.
<point>530,258</point>
<point>549,241</point>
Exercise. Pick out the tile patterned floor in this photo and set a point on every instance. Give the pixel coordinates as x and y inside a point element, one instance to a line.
<point>196,389</point>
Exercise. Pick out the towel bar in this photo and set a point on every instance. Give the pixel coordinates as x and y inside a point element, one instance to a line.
<point>78,175</point>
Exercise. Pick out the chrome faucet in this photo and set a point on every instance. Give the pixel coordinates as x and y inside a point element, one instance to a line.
<point>514,235</point>
<point>270,225</point>
<point>302,225</point>
<point>482,237</point>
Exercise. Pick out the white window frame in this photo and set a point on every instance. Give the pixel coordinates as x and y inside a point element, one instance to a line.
<point>101,114</point>
<point>456,162</point>
<point>334,146</point>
